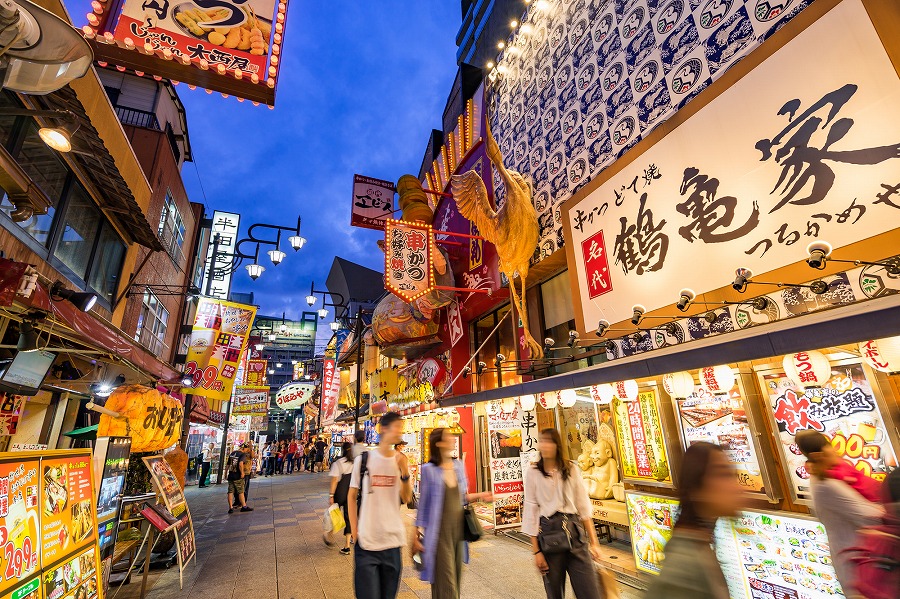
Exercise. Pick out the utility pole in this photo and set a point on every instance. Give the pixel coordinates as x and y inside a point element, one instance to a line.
<point>224,443</point>
<point>359,357</point>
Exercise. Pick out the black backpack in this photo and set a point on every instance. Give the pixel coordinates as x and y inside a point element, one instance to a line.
<point>342,489</point>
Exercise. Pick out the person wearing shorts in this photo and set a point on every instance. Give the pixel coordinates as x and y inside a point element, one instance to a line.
<point>239,466</point>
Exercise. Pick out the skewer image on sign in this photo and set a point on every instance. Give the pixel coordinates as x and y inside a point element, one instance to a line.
<point>408,255</point>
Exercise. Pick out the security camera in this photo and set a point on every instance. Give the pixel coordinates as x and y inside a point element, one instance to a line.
<point>602,326</point>
<point>818,254</point>
<point>466,372</point>
<point>685,299</point>
<point>480,368</point>
<point>573,337</point>
<point>638,313</point>
<point>500,359</point>
<point>741,278</point>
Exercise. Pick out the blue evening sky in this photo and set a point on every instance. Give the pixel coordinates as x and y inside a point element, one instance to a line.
<point>362,85</point>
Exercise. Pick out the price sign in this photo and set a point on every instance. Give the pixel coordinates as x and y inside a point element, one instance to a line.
<point>19,521</point>
<point>67,505</point>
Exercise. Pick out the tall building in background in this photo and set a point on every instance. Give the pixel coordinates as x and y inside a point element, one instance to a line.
<point>484,23</point>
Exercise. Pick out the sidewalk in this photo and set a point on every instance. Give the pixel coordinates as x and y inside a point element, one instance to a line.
<point>276,552</point>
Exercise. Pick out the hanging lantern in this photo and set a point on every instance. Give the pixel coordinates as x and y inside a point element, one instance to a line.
<point>548,401</point>
<point>679,384</point>
<point>493,408</point>
<point>603,394</point>
<point>453,417</point>
<point>807,369</point>
<point>718,379</point>
<point>508,405</point>
<point>526,402</point>
<point>627,390</point>
<point>567,398</point>
<point>882,354</point>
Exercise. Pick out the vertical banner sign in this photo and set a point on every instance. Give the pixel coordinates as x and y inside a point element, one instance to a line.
<point>217,341</point>
<point>167,486</point>
<point>509,455</point>
<point>10,410</point>
<point>639,434</point>
<point>373,202</point>
<point>408,251</point>
<point>225,225</point>
<point>331,387</point>
<point>253,401</point>
<point>256,373</point>
<point>454,323</point>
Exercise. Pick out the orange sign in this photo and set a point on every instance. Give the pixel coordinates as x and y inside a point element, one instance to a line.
<point>67,504</point>
<point>19,521</point>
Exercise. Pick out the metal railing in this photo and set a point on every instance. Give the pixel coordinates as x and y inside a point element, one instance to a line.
<point>138,118</point>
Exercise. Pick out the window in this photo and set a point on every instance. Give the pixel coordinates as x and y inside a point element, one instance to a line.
<point>152,324</point>
<point>502,342</point>
<point>171,229</point>
<point>82,223</point>
<point>108,259</point>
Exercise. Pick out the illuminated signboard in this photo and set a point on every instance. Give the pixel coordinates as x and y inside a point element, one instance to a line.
<point>408,255</point>
<point>225,225</point>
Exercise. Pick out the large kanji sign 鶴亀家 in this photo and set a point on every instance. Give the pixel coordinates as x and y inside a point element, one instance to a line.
<point>408,252</point>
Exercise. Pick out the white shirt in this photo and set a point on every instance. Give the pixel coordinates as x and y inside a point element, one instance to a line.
<point>341,467</point>
<point>546,495</point>
<point>380,525</point>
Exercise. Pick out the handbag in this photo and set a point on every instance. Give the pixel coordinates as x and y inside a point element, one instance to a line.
<point>413,503</point>
<point>555,534</point>
<point>472,530</point>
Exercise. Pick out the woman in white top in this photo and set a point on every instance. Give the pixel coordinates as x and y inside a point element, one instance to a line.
<point>341,469</point>
<point>554,486</point>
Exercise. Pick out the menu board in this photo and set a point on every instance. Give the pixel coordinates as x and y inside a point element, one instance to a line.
<point>652,519</point>
<point>19,521</point>
<point>775,556</point>
<point>844,409</point>
<point>641,441</point>
<point>29,590</point>
<point>722,420</point>
<point>75,578</point>
<point>67,504</point>
<point>505,437</point>
<point>173,496</point>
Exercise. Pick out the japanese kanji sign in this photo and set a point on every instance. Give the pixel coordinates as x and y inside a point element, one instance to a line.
<point>789,156</point>
<point>256,373</point>
<point>331,388</point>
<point>373,202</point>
<point>408,251</point>
<point>510,441</point>
<point>225,225</point>
<point>639,434</point>
<point>253,401</point>
<point>218,339</point>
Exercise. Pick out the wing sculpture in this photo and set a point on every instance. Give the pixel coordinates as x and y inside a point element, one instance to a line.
<point>473,203</point>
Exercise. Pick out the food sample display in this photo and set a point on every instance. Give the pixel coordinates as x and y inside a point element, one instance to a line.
<point>75,578</point>
<point>67,501</point>
<point>652,518</point>
<point>19,521</point>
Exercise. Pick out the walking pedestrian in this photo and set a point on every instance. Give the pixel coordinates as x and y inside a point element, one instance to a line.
<point>299,458</point>
<point>291,452</point>
<point>310,455</point>
<point>381,483</point>
<point>708,490</point>
<point>282,454</point>
<point>267,458</point>
<point>341,472</point>
<point>359,443</point>
<point>238,467</point>
<point>320,455</point>
<point>557,504</point>
<point>443,491</point>
<point>205,465</point>
<point>251,452</point>
<point>839,500</point>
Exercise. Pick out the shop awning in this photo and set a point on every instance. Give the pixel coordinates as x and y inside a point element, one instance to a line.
<point>83,434</point>
<point>873,319</point>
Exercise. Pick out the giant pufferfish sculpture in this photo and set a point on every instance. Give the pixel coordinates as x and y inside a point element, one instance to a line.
<point>513,228</point>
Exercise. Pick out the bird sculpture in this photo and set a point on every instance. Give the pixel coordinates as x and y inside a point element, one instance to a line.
<point>513,228</point>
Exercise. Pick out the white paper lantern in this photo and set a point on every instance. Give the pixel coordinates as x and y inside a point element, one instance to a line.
<point>807,368</point>
<point>718,379</point>
<point>526,402</point>
<point>548,401</point>
<point>508,405</point>
<point>882,354</point>
<point>627,390</point>
<point>453,417</point>
<point>679,384</point>
<point>567,398</point>
<point>603,393</point>
<point>493,408</point>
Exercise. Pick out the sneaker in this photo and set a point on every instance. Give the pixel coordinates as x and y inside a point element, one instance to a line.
<point>246,509</point>
<point>345,551</point>
<point>231,510</point>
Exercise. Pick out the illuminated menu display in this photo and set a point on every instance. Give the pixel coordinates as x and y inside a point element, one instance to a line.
<point>67,505</point>
<point>639,434</point>
<point>19,521</point>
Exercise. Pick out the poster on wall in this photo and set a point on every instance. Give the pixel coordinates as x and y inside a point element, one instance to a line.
<point>218,339</point>
<point>67,503</point>
<point>20,516</point>
<point>844,410</point>
<point>652,518</point>
<point>639,434</point>
<point>10,410</point>
<point>722,420</point>
<point>509,440</point>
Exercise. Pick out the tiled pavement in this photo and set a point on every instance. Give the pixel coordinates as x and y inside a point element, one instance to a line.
<point>276,552</point>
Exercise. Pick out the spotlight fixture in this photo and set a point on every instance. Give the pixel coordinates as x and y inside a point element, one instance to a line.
<point>602,326</point>
<point>28,337</point>
<point>818,254</point>
<point>479,369</point>
<point>466,372</point>
<point>741,278</point>
<point>498,361</point>
<point>84,301</point>
<point>187,381</point>
<point>573,338</point>
<point>548,344</point>
<point>685,299</point>
<point>637,313</point>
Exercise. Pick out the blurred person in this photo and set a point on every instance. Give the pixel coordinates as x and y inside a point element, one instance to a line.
<point>708,490</point>
<point>310,455</point>
<point>267,458</point>
<point>359,443</point>
<point>443,491</point>
<point>251,452</point>
<point>320,455</point>
<point>299,457</point>
<point>380,483</point>
<point>238,467</point>
<point>341,471</point>
<point>205,465</point>
<point>555,491</point>
<point>291,452</point>
<point>838,500</point>
<point>876,558</point>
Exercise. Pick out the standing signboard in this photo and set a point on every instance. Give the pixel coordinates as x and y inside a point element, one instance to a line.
<point>509,442</point>
<point>652,519</point>
<point>641,440</point>
<point>20,517</point>
<point>111,458</point>
<point>218,338</point>
<point>331,388</point>
<point>168,488</point>
<point>408,255</point>
<point>373,202</point>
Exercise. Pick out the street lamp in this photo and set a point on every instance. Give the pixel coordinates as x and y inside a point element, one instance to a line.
<point>335,326</point>
<point>254,270</point>
<point>296,241</point>
<point>323,313</point>
<point>276,256</point>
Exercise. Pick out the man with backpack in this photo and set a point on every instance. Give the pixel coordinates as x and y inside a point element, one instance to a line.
<point>379,484</point>
<point>239,466</point>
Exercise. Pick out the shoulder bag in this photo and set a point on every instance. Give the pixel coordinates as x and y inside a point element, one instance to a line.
<point>557,533</point>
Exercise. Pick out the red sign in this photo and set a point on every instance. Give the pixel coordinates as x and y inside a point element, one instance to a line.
<point>408,259</point>
<point>454,323</point>
<point>373,202</point>
<point>331,387</point>
<point>515,486</point>
<point>596,265</point>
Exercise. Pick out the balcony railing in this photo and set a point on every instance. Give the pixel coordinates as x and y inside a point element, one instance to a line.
<point>138,118</point>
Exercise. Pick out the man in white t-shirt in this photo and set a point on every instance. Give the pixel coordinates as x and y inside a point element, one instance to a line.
<point>380,482</point>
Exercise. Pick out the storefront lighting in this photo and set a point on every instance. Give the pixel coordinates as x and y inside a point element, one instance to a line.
<point>603,393</point>
<point>508,405</point>
<point>323,313</point>
<point>276,256</point>
<point>28,337</point>
<point>297,242</point>
<point>525,30</point>
<point>548,401</point>
<point>489,65</point>
<point>84,301</point>
<point>686,296</point>
<point>741,278</point>
<point>567,398</point>
<point>573,338</point>
<point>513,23</point>
<point>820,254</point>
<point>679,385</point>
<point>527,402</point>
<point>548,344</point>
<point>466,371</point>
<point>807,369</point>
<point>498,361</point>
<point>56,138</point>
<point>627,390</point>
<point>882,354</point>
<point>255,270</point>
<point>717,379</point>
<point>187,381</point>
<point>541,5</point>
<point>637,312</point>
<point>602,326</point>
<point>500,45</point>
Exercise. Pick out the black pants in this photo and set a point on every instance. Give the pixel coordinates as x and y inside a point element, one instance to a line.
<point>376,574</point>
<point>204,474</point>
<point>247,488</point>
<point>578,564</point>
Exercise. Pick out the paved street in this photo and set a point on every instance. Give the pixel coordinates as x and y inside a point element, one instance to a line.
<point>276,552</point>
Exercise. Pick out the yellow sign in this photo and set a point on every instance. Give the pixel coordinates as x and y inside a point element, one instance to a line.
<point>152,419</point>
<point>639,435</point>
<point>217,341</point>
<point>383,383</point>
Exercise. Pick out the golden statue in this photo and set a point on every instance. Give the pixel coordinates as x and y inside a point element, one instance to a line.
<point>513,229</point>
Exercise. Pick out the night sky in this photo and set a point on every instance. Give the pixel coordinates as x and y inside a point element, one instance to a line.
<point>361,86</point>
